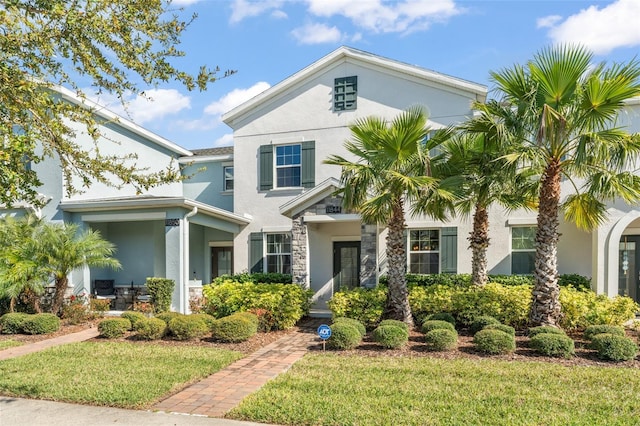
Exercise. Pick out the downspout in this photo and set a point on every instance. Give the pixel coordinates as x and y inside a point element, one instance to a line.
<point>185,260</point>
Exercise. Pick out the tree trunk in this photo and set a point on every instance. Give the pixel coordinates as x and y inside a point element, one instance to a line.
<point>397,305</point>
<point>58,298</point>
<point>478,243</point>
<point>545,306</point>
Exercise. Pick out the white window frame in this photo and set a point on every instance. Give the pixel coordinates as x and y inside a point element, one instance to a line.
<point>411,250</point>
<point>267,254</point>
<point>225,180</point>
<point>277,167</point>
<point>527,250</point>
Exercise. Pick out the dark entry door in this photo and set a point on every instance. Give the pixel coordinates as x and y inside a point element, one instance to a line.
<point>221,261</point>
<point>629,267</point>
<point>346,264</point>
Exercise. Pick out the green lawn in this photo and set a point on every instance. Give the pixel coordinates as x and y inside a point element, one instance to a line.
<point>109,373</point>
<point>329,389</point>
<point>4,344</point>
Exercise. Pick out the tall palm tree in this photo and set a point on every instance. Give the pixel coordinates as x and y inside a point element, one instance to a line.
<point>390,171</point>
<point>62,249</point>
<point>475,155</point>
<point>562,110</point>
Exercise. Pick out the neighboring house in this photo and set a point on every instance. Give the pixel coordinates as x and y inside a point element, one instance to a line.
<point>268,203</point>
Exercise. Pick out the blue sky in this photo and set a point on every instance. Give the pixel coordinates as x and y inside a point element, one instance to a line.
<point>267,41</point>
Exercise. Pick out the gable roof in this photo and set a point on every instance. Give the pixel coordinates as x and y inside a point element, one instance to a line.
<point>310,197</point>
<point>342,54</point>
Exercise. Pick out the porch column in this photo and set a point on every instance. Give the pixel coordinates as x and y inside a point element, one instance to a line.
<point>368,250</point>
<point>299,251</point>
<point>173,258</point>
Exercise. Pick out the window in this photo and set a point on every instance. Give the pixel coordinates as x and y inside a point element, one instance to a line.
<point>345,91</point>
<point>228,178</point>
<point>279,253</point>
<point>424,251</point>
<point>288,166</point>
<point>523,249</point>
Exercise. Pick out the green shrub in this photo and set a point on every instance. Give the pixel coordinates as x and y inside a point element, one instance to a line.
<point>614,348</point>
<point>594,330</point>
<point>555,345</point>
<point>41,324</point>
<point>344,336</point>
<point>112,328</point>
<point>576,281</point>
<point>426,301</point>
<point>161,292</point>
<point>75,309</point>
<point>545,329</point>
<point>494,342</point>
<point>12,322</point>
<point>151,328</point>
<point>582,308</point>
<point>256,277</point>
<point>363,304</point>
<point>479,323</point>
<point>502,327</point>
<point>391,336</point>
<point>234,328</point>
<point>188,327</point>
<point>396,323</point>
<point>357,324</point>
<point>209,320</point>
<point>285,303</point>
<point>133,317</point>
<point>168,316</point>
<point>443,316</point>
<point>510,305</point>
<point>511,280</point>
<point>441,339</point>
<point>429,325</point>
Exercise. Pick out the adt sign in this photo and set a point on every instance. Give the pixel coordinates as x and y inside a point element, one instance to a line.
<point>324,331</point>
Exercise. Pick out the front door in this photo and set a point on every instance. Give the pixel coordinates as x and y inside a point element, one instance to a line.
<point>221,261</point>
<point>629,269</point>
<point>346,264</point>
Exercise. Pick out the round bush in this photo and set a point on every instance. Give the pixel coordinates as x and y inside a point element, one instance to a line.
<point>207,319</point>
<point>234,328</point>
<point>133,317</point>
<point>443,316</point>
<point>614,348</point>
<point>113,328</point>
<point>494,342</point>
<point>481,322</point>
<point>395,323</point>
<point>593,330</point>
<point>391,336</point>
<point>187,327</point>
<point>344,336</point>
<point>429,325</point>
<point>151,328</point>
<point>12,322</point>
<point>546,329</point>
<point>441,339</point>
<point>502,327</point>
<point>253,318</point>
<point>555,345</point>
<point>41,324</point>
<point>353,322</point>
<point>168,316</point>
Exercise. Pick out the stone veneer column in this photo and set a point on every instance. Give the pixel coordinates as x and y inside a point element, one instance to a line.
<point>299,251</point>
<point>368,251</point>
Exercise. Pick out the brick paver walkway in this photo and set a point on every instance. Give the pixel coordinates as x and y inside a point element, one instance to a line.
<point>80,336</point>
<point>222,391</point>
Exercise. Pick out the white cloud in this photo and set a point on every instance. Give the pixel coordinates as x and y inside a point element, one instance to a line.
<point>279,14</point>
<point>548,21</point>
<point>235,98</point>
<point>241,9</point>
<point>224,140</point>
<point>316,34</point>
<point>183,2</point>
<point>157,104</point>
<point>384,17</point>
<point>601,30</point>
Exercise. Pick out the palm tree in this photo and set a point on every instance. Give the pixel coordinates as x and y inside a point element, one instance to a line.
<point>475,155</point>
<point>390,171</point>
<point>562,111</point>
<point>62,249</point>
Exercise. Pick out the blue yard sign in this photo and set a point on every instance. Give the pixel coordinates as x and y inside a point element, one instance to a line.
<point>324,331</point>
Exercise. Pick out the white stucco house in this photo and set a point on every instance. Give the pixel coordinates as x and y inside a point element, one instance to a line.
<point>268,203</point>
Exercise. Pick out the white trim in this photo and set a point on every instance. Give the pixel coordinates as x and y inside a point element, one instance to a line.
<point>123,217</point>
<point>205,159</point>
<point>324,218</point>
<point>522,221</point>
<point>346,238</point>
<point>310,197</point>
<point>276,229</point>
<point>220,243</point>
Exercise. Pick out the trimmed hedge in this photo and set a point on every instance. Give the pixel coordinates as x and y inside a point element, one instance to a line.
<point>481,322</point>
<point>234,328</point>
<point>188,327</point>
<point>593,330</point>
<point>555,345</point>
<point>134,317</point>
<point>113,328</point>
<point>344,336</point>
<point>441,340</point>
<point>168,316</point>
<point>614,348</point>
<point>545,329</point>
<point>437,325</point>
<point>256,277</point>
<point>391,336</point>
<point>151,329</point>
<point>396,323</point>
<point>363,304</point>
<point>41,324</point>
<point>161,292</point>
<point>506,328</point>
<point>12,322</point>
<point>442,316</point>
<point>357,324</point>
<point>494,342</point>
<point>209,320</point>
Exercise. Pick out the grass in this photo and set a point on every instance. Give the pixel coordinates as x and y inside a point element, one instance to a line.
<point>109,373</point>
<point>330,389</point>
<point>4,344</point>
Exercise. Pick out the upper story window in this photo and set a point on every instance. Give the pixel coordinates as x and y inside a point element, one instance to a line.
<point>345,93</point>
<point>228,178</point>
<point>288,166</point>
<point>424,251</point>
<point>523,249</point>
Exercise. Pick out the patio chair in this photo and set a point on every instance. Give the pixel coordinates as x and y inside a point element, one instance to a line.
<point>104,289</point>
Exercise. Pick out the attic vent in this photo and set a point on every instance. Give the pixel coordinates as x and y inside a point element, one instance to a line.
<point>345,91</point>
